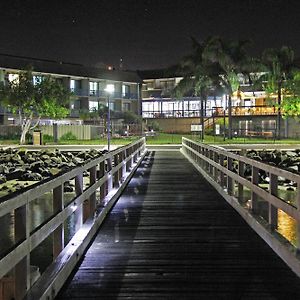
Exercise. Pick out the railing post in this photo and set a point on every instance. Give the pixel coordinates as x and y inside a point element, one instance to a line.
<point>127,163</point>
<point>273,211</point>
<point>254,180</point>
<point>58,233</point>
<point>229,179</point>
<point>116,175</point>
<point>79,210</point>
<point>101,174</point>
<point>22,268</point>
<point>215,169</point>
<point>241,170</point>
<point>298,222</point>
<point>222,177</point>
<point>211,167</point>
<point>123,172</point>
<point>110,176</point>
<point>93,179</point>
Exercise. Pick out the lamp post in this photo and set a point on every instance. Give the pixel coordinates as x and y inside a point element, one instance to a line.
<point>110,88</point>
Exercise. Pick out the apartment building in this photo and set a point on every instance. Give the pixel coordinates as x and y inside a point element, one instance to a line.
<point>88,85</point>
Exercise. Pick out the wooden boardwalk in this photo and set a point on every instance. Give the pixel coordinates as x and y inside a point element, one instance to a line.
<point>171,236</point>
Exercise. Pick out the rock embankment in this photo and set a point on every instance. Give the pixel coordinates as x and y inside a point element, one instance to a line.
<point>19,166</point>
<point>287,160</point>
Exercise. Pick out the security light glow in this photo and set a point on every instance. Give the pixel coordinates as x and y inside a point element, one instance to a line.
<point>110,88</point>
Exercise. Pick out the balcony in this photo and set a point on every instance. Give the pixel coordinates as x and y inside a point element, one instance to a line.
<point>103,94</point>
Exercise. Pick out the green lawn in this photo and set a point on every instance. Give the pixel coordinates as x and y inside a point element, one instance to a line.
<point>165,138</point>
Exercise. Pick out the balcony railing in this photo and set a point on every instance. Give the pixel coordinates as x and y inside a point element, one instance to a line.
<point>100,93</point>
<point>212,112</point>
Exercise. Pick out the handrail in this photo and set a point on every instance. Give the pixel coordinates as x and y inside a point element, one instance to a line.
<point>108,172</point>
<point>217,166</point>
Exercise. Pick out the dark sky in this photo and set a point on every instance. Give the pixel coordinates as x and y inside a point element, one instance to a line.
<point>147,34</point>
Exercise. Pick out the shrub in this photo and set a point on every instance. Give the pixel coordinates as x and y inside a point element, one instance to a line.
<point>69,136</point>
<point>47,138</point>
<point>154,125</point>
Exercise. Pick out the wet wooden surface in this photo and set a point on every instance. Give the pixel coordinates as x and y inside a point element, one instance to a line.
<point>171,236</point>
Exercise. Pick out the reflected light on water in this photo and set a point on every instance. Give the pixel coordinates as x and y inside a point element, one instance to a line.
<point>287,227</point>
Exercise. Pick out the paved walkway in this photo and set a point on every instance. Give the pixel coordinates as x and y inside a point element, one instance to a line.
<point>171,236</point>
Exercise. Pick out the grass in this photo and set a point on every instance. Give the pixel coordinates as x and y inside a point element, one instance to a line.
<point>167,138</point>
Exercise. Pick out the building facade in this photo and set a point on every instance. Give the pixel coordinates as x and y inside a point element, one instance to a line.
<point>252,111</point>
<point>87,85</point>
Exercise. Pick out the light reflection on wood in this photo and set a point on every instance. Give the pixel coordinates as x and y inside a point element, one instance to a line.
<point>287,227</point>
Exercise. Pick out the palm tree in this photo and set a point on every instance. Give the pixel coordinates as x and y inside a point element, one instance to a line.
<point>231,58</point>
<point>199,77</point>
<point>280,64</point>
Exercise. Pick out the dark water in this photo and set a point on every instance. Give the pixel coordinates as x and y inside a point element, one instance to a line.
<point>41,210</point>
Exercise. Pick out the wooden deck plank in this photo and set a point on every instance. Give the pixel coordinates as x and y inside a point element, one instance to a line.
<point>171,236</point>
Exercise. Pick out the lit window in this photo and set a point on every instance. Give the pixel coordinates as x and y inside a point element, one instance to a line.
<point>13,77</point>
<point>93,105</point>
<point>93,88</point>
<point>72,85</point>
<point>36,79</point>
<point>125,91</point>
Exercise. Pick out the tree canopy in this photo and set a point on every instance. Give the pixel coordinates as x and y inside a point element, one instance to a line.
<point>32,98</point>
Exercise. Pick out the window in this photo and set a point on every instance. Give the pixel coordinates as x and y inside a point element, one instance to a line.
<point>72,85</point>
<point>93,88</point>
<point>13,77</point>
<point>36,79</point>
<point>126,106</point>
<point>125,91</point>
<point>93,105</point>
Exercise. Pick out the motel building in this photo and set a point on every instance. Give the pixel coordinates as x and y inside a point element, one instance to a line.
<point>252,113</point>
<point>88,85</point>
<point>149,93</point>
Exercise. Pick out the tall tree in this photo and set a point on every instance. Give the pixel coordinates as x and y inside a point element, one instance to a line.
<point>31,100</point>
<point>280,65</point>
<point>232,59</point>
<point>199,77</point>
<point>290,102</point>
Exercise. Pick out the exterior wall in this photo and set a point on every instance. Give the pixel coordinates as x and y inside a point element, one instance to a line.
<point>291,127</point>
<point>81,89</point>
<point>175,125</point>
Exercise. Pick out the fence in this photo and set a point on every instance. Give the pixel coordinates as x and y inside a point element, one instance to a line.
<point>107,177</point>
<point>82,132</point>
<point>226,172</point>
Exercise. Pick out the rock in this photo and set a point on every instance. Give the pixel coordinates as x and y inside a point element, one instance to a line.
<point>36,165</point>
<point>56,160</point>
<point>45,157</point>
<point>293,168</point>
<point>4,169</point>
<point>54,171</point>
<point>291,153</point>
<point>68,189</point>
<point>77,160</point>
<point>290,188</point>
<point>32,177</point>
<point>2,179</point>
<point>15,174</point>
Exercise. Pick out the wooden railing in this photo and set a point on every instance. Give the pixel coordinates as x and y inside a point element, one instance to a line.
<point>109,174</point>
<point>226,172</point>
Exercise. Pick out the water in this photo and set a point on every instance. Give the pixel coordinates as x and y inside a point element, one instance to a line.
<point>287,226</point>
<point>41,210</point>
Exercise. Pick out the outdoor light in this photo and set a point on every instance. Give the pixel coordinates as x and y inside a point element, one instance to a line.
<point>110,88</point>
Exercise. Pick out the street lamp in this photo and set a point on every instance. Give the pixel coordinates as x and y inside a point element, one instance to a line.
<point>110,88</point>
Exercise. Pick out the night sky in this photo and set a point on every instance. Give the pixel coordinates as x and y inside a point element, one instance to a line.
<point>147,34</point>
